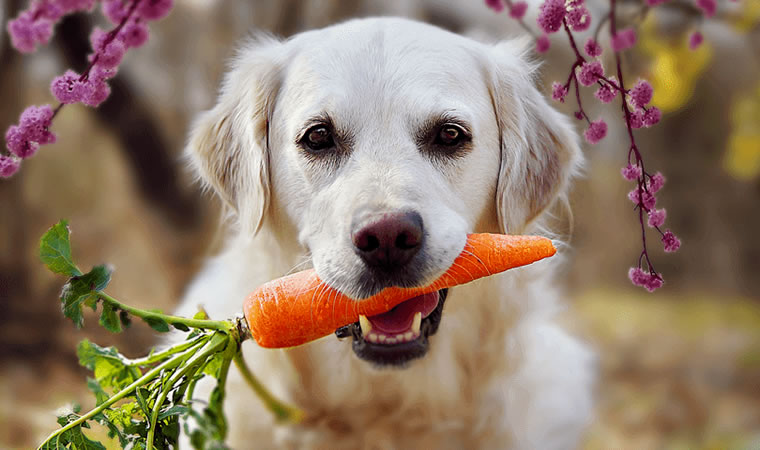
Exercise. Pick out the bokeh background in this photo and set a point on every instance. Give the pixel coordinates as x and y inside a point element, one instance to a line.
<point>678,369</point>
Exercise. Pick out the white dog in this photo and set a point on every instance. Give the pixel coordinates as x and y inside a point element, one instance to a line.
<point>369,149</point>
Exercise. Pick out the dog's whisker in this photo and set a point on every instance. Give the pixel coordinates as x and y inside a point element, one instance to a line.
<point>479,260</point>
<point>297,267</point>
<point>319,289</point>
<point>455,264</point>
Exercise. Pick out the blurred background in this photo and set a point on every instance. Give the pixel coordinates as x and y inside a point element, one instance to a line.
<point>679,368</point>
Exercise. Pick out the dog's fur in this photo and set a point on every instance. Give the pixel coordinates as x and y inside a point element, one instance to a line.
<point>499,373</point>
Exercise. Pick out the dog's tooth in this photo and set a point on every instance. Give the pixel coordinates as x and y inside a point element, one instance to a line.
<point>408,335</point>
<point>416,323</point>
<point>382,338</point>
<point>390,340</point>
<point>365,324</point>
<point>372,337</point>
<point>400,337</point>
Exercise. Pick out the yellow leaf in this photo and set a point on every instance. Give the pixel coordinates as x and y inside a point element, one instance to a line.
<point>674,68</point>
<point>748,17</point>
<point>742,158</point>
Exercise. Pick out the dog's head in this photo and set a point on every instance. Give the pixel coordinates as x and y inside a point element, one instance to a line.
<point>383,142</point>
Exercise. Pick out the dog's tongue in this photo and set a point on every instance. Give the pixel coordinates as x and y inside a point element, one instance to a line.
<point>400,318</point>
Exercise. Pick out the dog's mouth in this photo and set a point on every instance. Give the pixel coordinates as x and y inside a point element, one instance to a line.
<point>400,335</point>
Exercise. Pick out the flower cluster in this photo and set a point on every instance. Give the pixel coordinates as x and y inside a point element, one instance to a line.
<point>573,16</point>
<point>24,139</point>
<point>35,26</point>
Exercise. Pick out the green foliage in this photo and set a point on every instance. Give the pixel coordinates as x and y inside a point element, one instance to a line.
<point>157,323</point>
<point>55,250</point>
<point>73,438</point>
<point>81,291</point>
<point>141,402</point>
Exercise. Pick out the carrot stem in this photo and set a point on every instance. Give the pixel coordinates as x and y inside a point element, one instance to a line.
<point>283,413</point>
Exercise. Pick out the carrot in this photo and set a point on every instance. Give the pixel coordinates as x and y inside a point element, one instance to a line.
<point>300,308</point>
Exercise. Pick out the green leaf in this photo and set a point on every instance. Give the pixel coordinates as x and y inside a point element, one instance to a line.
<point>200,315</point>
<point>214,364</point>
<point>176,410</point>
<point>55,250</point>
<point>181,326</point>
<point>109,367</point>
<point>77,292</point>
<point>142,396</point>
<point>109,318</point>
<point>157,324</point>
<point>100,394</point>
<point>73,438</point>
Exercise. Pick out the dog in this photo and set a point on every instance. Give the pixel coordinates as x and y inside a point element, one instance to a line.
<point>368,150</point>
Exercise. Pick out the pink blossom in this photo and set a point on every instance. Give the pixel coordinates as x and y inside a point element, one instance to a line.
<point>109,52</point>
<point>637,119</point>
<point>134,34</point>
<point>496,5</point>
<point>8,166</point>
<point>550,16</point>
<point>670,241</point>
<point>593,49</point>
<point>518,9</point>
<point>559,91</point>
<point>647,199</point>
<point>99,92</point>
<point>35,121</point>
<point>99,72</point>
<point>18,143</point>
<point>68,88</point>
<point>695,40</point>
<point>76,5</point>
<point>542,43</point>
<point>578,18</point>
<point>623,39</point>
<point>606,93</point>
<point>637,276</point>
<point>596,131</point>
<point>654,283</point>
<point>655,183</point>
<point>646,280</point>
<point>641,93</point>
<point>589,72</point>
<point>154,9</point>
<point>631,172</point>
<point>652,116</point>
<point>24,139</point>
<point>115,10</point>
<point>708,7</point>
<point>578,115</point>
<point>26,32</point>
<point>656,217</point>
<point>35,25</point>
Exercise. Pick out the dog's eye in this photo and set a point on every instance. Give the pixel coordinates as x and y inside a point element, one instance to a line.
<point>450,135</point>
<point>318,138</point>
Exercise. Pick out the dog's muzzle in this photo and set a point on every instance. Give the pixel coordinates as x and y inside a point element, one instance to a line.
<point>400,335</point>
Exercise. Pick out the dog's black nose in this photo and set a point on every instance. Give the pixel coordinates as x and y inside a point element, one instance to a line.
<point>388,241</point>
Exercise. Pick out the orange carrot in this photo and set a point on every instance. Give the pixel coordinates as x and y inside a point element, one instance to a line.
<point>300,308</point>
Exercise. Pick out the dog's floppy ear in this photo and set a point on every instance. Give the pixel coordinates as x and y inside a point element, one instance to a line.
<point>228,144</point>
<point>539,146</point>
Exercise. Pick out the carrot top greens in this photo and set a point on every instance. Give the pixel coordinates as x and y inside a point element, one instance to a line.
<point>143,402</point>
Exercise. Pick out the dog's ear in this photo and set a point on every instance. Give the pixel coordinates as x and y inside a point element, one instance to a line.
<point>228,145</point>
<point>539,146</point>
